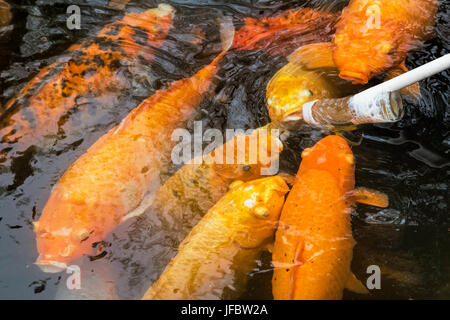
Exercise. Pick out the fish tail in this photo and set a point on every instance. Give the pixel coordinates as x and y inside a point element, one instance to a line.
<point>227,32</point>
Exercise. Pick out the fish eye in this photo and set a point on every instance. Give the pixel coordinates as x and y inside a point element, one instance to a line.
<point>307,93</point>
<point>247,168</point>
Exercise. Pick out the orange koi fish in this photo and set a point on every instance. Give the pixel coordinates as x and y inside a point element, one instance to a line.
<point>110,180</point>
<point>314,244</point>
<point>90,69</point>
<point>374,36</point>
<point>282,34</point>
<point>213,260</point>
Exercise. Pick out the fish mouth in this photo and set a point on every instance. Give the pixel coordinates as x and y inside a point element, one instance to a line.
<point>50,266</point>
<point>355,77</point>
<point>294,116</point>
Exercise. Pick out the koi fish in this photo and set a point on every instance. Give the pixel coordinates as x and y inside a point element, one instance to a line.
<point>90,69</point>
<point>282,34</point>
<point>374,36</point>
<point>197,186</point>
<point>314,244</point>
<point>110,180</point>
<point>292,86</point>
<point>214,258</point>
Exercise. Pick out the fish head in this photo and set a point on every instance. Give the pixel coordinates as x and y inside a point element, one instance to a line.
<point>246,157</point>
<point>61,234</point>
<point>259,203</point>
<point>365,46</point>
<point>334,155</point>
<point>292,86</point>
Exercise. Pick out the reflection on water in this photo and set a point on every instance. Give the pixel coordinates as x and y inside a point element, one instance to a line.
<point>408,160</point>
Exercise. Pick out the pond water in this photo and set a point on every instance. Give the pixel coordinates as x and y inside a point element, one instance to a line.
<point>408,160</point>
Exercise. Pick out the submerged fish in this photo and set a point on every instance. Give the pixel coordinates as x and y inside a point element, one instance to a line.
<point>90,70</point>
<point>213,260</point>
<point>197,186</point>
<point>282,34</point>
<point>5,13</point>
<point>374,36</point>
<point>110,180</point>
<point>314,244</point>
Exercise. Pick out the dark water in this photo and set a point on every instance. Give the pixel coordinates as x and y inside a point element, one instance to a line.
<point>409,160</point>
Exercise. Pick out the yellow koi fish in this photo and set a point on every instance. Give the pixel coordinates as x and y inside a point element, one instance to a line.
<point>224,245</point>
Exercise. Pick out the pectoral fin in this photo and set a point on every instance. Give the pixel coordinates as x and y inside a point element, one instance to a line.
<point>370,197</point>
<point>288,178</point>
<point>413,91</point>
<point>354,285</point>
<point>144,205</point>
<point>314,56</point>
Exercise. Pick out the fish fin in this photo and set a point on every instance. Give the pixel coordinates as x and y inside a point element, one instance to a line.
<point>355,285</point>
<point>411,92</point>
<point>314,56</point>
<point>227,32</point>
<point>298,262</point>
<point>144,205</point>
<point>370,197</point>
<point>288,178</point>
<point>349,127</point>
<point>299,248</point>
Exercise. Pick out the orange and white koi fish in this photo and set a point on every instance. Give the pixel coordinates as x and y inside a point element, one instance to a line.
<point>282,34</point>
<point>90,69</point>
<point>213,260</point>
<point>110,180</point>
<point>314,244</point>
<point>374,36</point>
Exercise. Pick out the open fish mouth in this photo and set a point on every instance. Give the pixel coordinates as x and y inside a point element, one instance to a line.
<point>50,266</point>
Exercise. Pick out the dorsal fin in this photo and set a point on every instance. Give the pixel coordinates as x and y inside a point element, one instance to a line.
<point>354,285</point>
<point>314,56</point>
<point>370,197</point>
